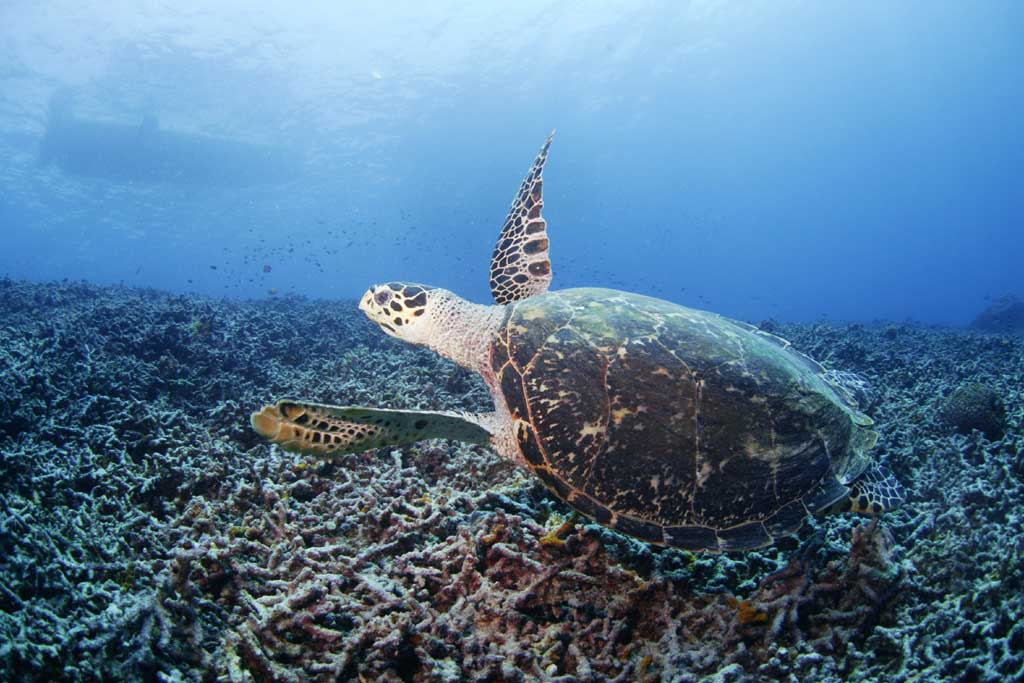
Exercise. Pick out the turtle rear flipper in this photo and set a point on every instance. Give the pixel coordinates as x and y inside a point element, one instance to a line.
<point>327,430</point>
<point>855,389</point>
<point>874,492</point>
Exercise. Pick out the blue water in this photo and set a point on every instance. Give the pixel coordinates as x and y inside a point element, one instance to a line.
<point>797,160</point>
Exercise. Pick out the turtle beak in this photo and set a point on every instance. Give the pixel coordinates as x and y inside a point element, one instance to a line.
<point>364,303</point>
<point>371,305</point>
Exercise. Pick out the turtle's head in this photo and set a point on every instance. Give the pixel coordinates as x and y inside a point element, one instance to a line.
<point>436,318</point>
<point>402,309</point>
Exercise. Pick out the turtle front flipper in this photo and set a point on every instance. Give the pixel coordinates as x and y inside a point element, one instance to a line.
<point>521,266</point>
<point>334,430</point>
<point>874,492</point>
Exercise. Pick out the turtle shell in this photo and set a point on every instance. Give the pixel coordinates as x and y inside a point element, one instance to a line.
<point>674,425</point>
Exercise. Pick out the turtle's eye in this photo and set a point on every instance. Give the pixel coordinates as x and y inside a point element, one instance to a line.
<point>382,297</point>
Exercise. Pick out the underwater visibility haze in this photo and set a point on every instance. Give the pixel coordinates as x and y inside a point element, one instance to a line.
<point>733,392</point>
<point>796,159</point>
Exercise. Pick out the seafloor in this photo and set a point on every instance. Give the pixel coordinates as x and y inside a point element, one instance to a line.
<point>146,534</point>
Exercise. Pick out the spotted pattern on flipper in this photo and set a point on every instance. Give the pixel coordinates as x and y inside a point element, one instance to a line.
<point>326,430</point>
<point>520,265</point>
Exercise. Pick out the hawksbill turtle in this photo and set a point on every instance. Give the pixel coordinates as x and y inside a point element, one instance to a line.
<point>676,426</point>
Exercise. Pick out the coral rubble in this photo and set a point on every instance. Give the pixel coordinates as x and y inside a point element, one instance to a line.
<point>1005,314</point>
<point>147,535</point>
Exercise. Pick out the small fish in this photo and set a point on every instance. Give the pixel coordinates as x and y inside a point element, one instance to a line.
<point>266,268</point>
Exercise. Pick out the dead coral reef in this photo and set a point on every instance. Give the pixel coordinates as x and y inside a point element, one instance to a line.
<point>395,591</point>
<point>115,411</point>
<point>960,535</point>
<point>1005,314</point>
<point>147,535</point>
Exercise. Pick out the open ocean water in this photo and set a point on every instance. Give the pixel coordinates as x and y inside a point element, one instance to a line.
<point>194,198</point>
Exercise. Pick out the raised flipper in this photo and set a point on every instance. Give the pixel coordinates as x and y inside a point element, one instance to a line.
<point>334,430</point>
<point>521,265</point>
<point>874,492</point>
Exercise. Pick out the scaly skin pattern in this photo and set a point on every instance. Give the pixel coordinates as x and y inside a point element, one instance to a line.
<point>521,264</point>
<point>671,424</point>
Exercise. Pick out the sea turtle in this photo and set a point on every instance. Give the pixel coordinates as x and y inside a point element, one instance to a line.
<point>674,425</point>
